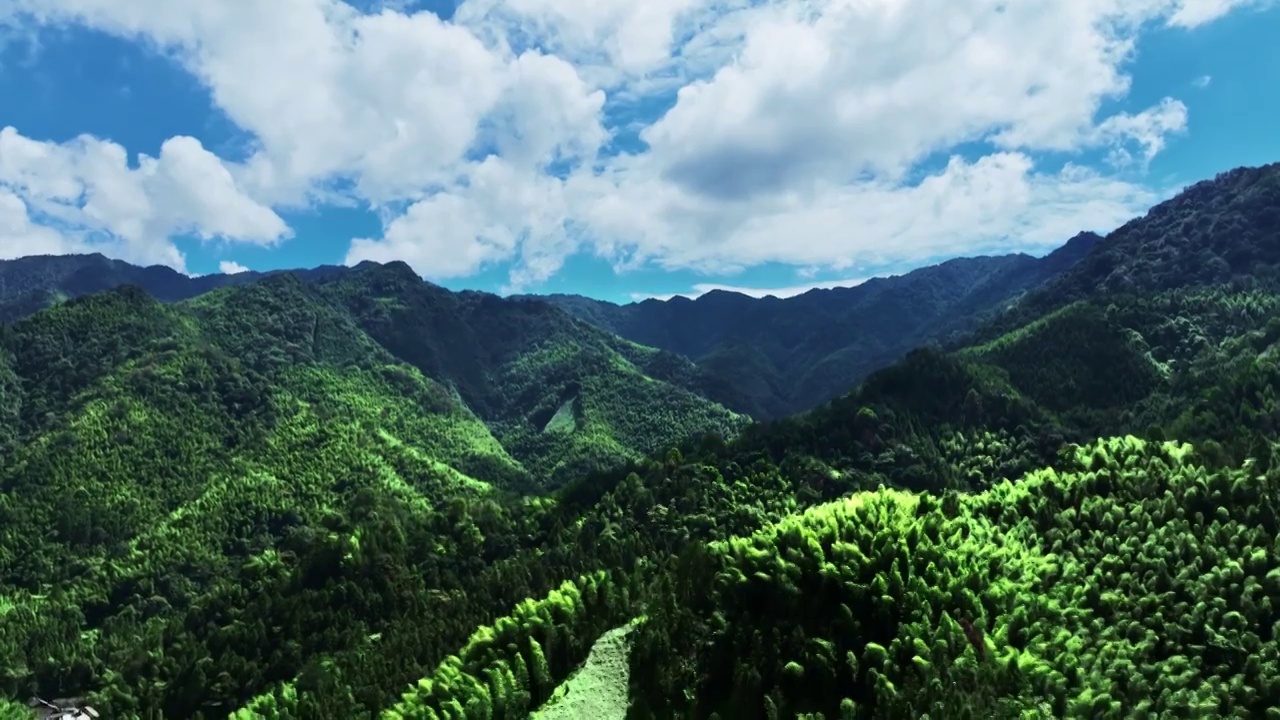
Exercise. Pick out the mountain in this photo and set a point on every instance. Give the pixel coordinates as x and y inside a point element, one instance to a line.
<point>29,284</point>
<point>1213,232</point>
<point>764,358</point>
<point>786,355</point>
<point>564,396</point>
<point>290,499</point>
<point>160,463</point>
<point>558,392</point>
<point>945,541</point>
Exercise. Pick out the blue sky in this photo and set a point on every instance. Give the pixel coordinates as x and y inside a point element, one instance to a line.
<point>590,147</point>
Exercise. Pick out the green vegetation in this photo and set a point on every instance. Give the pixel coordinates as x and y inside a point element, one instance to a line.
<point>252,483</point>
<point>521,365</point>
<point>1135,584</point>
<point>349,493</point>
<point>774,357</point>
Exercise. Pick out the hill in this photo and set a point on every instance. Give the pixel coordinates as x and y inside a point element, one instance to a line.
<point>1133,584</point>
<point>163,459</point>
<point>930,546</point>
<point>787,355</point>
<point>231,505</point>
<point>565,397</point>
<point>1211,233</point>
<point>30,284</point>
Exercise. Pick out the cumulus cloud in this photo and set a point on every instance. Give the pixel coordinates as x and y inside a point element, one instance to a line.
<point>231,267</point>
<point>86,189</point>
<point>19,236</point>
<point>967,206</point>
<point>813,133</point>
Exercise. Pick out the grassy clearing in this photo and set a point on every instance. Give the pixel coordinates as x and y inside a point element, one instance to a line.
<point>599,689</point>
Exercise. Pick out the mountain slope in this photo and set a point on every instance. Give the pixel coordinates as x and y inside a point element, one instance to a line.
<point>1212,232</point>
<point>169,456</point>
<point>416,578</point>
<point>1019,598</point>
<point>169,463</point>
<point>30,284</point>
<point>564,396</point>
<point>788,355</point>
<point>1134,583</point>
<point>559,394</point>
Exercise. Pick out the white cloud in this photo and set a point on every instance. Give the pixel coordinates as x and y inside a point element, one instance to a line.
<point>799,134</point>
<point>701,289</point>
<point>231,267</point>
<point>87,190</point>
<point>1203,81</point>
<point>502,212</point>
<point>1193,13</point>
<point>19,236</point>
<point>612,40</point>
<point>998,203</point>
<point>1148,129</point>
<point>394,101</point>
<point>874,87</point>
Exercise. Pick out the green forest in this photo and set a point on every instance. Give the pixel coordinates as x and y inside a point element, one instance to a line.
<point>355,494</point>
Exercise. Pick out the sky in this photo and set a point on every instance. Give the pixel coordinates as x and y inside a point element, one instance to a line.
<point>615,148</point>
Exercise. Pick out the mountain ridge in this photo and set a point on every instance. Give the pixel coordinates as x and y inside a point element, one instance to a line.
<point>29,284</point>
<point>827,339</point>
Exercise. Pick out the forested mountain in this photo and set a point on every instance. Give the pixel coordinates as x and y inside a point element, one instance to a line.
<point>162,463</point>
<point>559,393</point>
<point>765,357</point>
<point>1212,232</point>
<point>786,355</point>
<point>30,284</point>
<point>563,396</point>
<point>304,498</point>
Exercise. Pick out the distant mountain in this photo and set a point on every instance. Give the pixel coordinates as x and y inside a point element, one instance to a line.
<point>1215,231</point>
<point>30,283</point>
<point>765,358</point>
<point>562,395</point>
<point>788,355</point>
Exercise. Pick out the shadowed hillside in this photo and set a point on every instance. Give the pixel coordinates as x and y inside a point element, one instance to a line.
<point>785,355</point>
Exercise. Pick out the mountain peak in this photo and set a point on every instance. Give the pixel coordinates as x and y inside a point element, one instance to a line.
<point>1083,240</point>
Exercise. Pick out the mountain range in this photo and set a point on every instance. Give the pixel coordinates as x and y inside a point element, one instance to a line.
<point>762,357</point>
<point>996,487</point>
<point>790,354</point>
